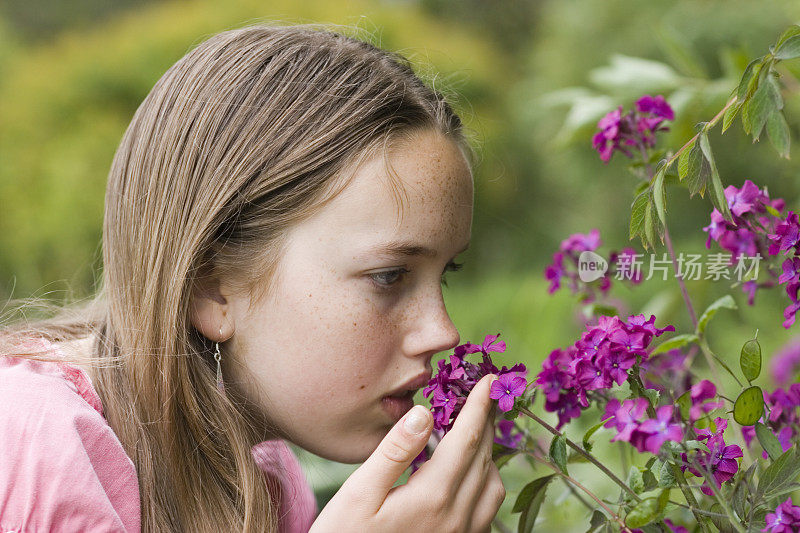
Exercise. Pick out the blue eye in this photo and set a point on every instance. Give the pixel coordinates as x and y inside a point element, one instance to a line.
<point>388,277</point>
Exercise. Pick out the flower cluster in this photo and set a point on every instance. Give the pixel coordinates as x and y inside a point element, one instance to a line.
<point>565,265</point>
<point>754,216</point>
<point>634,130</point>
<point>785,240</point>
<point>602,356</point>
<point>645,435</point>
<point>449,388</point>
<point>720,459</point>
<point>785,519</point>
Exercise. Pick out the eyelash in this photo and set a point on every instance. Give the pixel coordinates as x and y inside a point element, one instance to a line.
<point>451,267</point>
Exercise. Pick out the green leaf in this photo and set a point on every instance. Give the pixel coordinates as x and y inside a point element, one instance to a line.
<point>679,341</point>
<point>650,481</point>
<point>647,510</point>
<point>530,501</point>
<point>788,33</point>
<point>635,480</point>
<point>741,491</point>
<point>780,474</point>
<point>722,524</point>
<point>587,445</point>
<point>778,133</point>
<point>598,520</point>
<point>684,403</point>
<point>684,161</point>
<point>717,191</point>
<point>558,452</point>
<point>529,491</point>
<point>726,302</point>
<point>638,208</point>
<point>697,171</point>
<point>750,359</point>
<point>747,76</point>
<point>659,194</point>
<point>768,441</point>
<point>790,49</point>
<point>730,115</point>
<point>765,101</point>
<point>749,406</point>
<point>666,478</point>
<point>649,224</point>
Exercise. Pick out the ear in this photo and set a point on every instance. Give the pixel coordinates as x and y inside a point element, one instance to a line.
<point>208,310</point>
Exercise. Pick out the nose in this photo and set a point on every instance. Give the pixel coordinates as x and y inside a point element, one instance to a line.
<point>431,329</point>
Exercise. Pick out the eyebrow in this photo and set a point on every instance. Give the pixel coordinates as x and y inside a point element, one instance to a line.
<point>406,248</point>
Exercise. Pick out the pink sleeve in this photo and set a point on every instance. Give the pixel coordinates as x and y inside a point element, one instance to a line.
<point>299,506</point>
<point>62,468</point>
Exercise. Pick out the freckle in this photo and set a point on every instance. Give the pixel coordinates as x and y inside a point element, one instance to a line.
<point>361,387</point>
<point>309,295</point>
<point>354,323</point>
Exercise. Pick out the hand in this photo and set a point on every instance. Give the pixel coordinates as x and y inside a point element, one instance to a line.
<point>457,489</point>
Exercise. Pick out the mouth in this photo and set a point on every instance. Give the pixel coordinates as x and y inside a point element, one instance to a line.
<point>398,405</point>
<point>411,386</point>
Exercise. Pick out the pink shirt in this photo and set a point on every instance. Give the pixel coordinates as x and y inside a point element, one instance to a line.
<point>62,468</point>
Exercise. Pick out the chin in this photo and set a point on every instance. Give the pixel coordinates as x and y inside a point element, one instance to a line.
<point>347,450</point>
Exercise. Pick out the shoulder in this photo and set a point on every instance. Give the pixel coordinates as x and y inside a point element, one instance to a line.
<point>62,468</point>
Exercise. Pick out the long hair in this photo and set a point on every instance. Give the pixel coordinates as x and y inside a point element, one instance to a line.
<point>251,131</point>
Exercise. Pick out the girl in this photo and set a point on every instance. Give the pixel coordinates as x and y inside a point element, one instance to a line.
<point>278,218</point>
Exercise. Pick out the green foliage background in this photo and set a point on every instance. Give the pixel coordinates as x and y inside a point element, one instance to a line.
<point>532,77</point>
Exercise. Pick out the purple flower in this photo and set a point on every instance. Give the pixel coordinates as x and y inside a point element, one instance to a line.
<point>418,460</point>
<point>449,388</point>
<point>699,395</point>
<point>507,436</point>
<point>601,357</point>
<point>785,519</point>
<point>785,364</point>
<point>655,105</point>
<point>720,460</point>
<point>505,389</point>
<point>635,129</point>
<point>624,417</point>
<point>786,236</point>
<point>660,429</point>
<point>616,362</point>
<point>675,529</point>
<point>579,242</point>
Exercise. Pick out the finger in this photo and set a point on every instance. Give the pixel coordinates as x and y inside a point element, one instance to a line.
<point>459,446</point>
<point>489,502</point>
<point>376,476</point>
<point>474,480</point>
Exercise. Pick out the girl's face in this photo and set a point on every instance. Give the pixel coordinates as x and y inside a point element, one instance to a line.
<point>357,310</point>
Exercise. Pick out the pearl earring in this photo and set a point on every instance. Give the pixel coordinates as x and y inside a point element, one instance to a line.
<point>218,358</point>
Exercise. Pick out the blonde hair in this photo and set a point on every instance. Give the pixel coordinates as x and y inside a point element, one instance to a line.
<point>251,131</point>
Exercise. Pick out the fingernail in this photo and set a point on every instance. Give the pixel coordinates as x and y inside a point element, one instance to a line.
<point>416,421</point>
<point>495,377</point>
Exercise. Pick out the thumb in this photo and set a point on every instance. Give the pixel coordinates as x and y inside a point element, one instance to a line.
<point>376,476</point>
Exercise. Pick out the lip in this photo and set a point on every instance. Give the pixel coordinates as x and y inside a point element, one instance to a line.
<point>412,385</point>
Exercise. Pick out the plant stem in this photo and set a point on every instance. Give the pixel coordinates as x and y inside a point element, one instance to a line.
<point>589,457</point>
<point>712,484</point>
<point>689,495</point>
<point>679,277</point>
<point>584,489</point>
<point>709,354</point>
